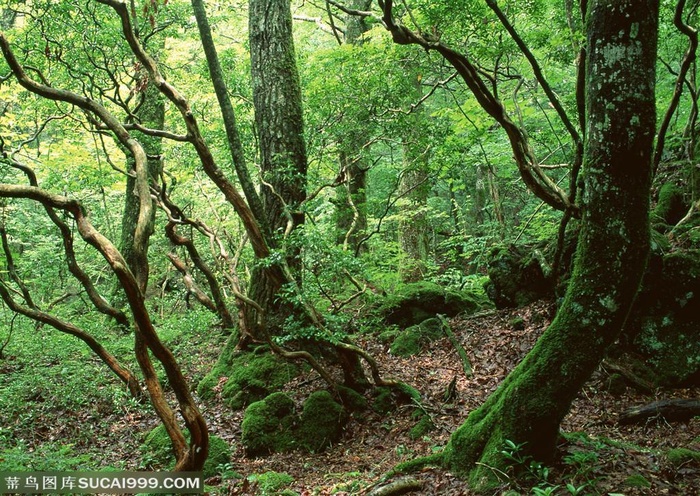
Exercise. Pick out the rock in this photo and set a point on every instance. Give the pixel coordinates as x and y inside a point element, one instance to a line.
<point>249,376</point>
<point>518,275</point>
<point>415,302</point>
<point>268,425</point>
<point>273,424</point>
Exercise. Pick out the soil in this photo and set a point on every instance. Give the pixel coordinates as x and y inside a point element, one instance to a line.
<point>608,459</point>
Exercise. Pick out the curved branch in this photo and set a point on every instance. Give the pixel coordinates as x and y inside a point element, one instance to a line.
<point>258,241</point>
<point>146,337</point>
<point>535,179</point>
<point>123,373</point>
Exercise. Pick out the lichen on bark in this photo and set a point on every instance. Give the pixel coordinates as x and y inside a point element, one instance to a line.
<point>530,404</point>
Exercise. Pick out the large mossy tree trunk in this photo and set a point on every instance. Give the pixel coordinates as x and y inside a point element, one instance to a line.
<point>283,163</point>
<point>531,402</point>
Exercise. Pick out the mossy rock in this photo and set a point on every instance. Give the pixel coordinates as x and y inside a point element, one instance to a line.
<point>664,326</point>
<point>157,447</point>
<point>415,302</point>
<point>268,425</point>
<point>518,275</point>
<point>387,399</point>
<point>670,207</point>
<point>352,400</point>
<point>251,376</point>
<point>322,421</point>
<point>422,427</point>
<point>273,425</point>
<point>412,340</point>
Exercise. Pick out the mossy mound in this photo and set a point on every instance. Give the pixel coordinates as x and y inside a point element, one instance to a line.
<point>352,400</point>
<point>664,325</point>
<point>158,450</point>
<point>415,302</point>
<point>670,207</point>
<point>682,456</point>
<point>518,275</point>
<point>387,399</point>
<point>268,425</point>
<point>322,421</point>
<point>412,340</point>
<point>269,483</point>
<point>251,376</point>
<point>273,425</point>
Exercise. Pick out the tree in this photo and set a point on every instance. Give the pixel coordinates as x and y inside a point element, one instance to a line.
<point>611,255</point>
<point>280,129</point>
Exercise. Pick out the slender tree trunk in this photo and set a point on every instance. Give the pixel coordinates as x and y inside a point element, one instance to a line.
<point>279,122</point>
<point>613,245</point>
<point>413,228</point>
<point>351,204</point>
<point>135,248</point>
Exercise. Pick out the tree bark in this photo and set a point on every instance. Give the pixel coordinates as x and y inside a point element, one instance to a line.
<point>279,125</point>
<point>528,407</point>
<point>134,247</point>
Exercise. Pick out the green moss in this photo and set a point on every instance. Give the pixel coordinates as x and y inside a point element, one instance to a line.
<point>251,376</point>
<point>517,323</point>
<point>352,400</point>
<point>670,207</point>
<point>387,399</point>
<point>411,341</point>
<point>272,425</point>
<point>637,480</point>
<point>271,483</point>
<point>413,303</point>
<point>321,423</point>
<point>267,425</point>
<point>408,343</point>
<point>416,464</point>
<point>680,456</point>
<point>424,425</point>
<point>158,450</point>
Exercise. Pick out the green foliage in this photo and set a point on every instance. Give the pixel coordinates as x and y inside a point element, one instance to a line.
<point>47,457</point>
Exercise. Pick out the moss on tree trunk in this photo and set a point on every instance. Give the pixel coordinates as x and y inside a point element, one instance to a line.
<point>612,250</point>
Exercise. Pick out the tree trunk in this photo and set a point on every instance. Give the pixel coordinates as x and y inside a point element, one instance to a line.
<point>413,226</point>
<point>279,123</point>
<point>134,248</point>
<point>613,245</point>
<point>351,203</point>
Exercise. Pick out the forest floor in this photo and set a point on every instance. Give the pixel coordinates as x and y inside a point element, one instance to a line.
<point>598,456</point>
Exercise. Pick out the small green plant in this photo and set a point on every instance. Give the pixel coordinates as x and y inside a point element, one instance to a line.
<point>544,490</point>
<point>272,483</point>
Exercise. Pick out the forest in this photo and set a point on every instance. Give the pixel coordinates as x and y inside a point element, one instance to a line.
<point>315,247</point>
